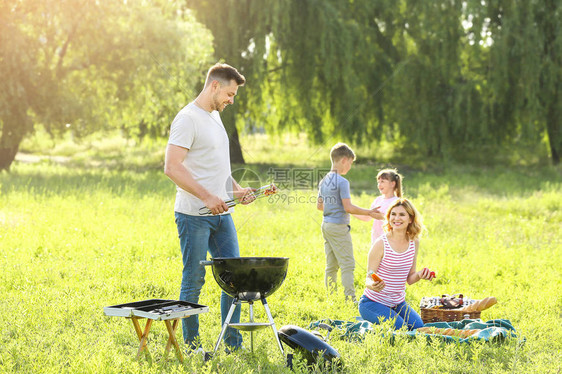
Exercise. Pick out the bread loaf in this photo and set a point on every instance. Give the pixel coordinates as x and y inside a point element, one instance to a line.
<point>471,307</point>
<point>487,303</point>
<point>426,330</point>
<point>467,333</point>
<point>480,305</point>
<point>448,332</point>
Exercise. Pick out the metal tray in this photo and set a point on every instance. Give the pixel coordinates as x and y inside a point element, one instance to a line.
<point>156,309</point>
<point>126,310</point>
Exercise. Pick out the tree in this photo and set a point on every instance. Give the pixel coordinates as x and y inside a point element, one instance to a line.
<point>352,69</point>
<point>440,78</point>
<point>293,81</point>
<point>526,69</point>
<point>85,66</point>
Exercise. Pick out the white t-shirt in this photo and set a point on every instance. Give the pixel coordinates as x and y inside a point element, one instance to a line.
<point>208,158</point>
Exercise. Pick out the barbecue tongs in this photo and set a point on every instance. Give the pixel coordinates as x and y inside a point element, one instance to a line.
<point>266,190</point>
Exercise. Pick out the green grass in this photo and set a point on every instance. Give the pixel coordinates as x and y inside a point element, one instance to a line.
<point>98,230</point>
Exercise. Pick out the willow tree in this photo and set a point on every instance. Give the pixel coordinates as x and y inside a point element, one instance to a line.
<point>525,69</point>
<point>415,66</point>
<point>300,59</point>
<point>85,66</point>
<point>470,75</point>
<point>357,70</point>
<point>439,78</point>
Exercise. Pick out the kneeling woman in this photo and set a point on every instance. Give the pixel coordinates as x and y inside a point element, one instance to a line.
<point>393,258</point>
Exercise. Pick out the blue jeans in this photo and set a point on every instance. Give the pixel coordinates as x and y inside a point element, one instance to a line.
<point>199,235</point>
<point>402,314</point>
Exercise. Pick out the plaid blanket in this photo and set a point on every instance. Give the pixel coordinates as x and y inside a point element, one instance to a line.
<point>496,330</point>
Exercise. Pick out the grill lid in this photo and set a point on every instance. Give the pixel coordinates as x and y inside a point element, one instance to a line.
<point>249,278</point>
<point>310,346</point>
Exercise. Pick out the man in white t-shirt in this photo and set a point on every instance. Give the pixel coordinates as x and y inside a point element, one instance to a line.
<point>198,162</point>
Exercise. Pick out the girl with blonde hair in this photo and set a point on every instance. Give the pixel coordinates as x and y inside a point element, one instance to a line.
<point>389,184</point>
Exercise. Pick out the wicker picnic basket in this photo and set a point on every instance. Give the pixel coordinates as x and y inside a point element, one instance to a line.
<point>438,313</point>
<point>446,315</point>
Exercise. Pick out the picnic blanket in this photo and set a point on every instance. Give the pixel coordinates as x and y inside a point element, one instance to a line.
<point>496,330</point>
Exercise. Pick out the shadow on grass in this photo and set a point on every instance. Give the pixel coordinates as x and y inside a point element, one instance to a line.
<point>489,180</point>
<point>48,177</point>
<point>119,175</point>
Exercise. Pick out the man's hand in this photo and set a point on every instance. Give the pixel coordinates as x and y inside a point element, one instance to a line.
<point>245,195</point>
<point>215,204</point>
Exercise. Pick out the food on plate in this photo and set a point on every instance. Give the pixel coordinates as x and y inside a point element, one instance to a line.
<point>452,301</point>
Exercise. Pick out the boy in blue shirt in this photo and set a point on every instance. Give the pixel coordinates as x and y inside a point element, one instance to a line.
<point>334,199</point>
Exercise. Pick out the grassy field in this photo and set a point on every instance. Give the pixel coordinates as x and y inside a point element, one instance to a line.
<point>94,227</point>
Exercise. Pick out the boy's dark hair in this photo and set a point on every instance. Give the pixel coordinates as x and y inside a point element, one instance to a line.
<point>224,73</point>
<point>340,151</point>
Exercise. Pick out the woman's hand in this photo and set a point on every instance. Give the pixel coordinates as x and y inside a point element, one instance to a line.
<point>425,273</point>
<point>374,286</point>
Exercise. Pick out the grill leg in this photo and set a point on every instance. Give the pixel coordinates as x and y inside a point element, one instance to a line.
<point>268,312</point>
<point>251,320</point>
<point>226,323</point>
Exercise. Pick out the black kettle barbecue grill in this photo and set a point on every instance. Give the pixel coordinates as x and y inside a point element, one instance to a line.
<point>248,279</point>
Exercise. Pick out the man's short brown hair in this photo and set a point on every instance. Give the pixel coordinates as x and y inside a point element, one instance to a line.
<point>224,73</point>
<point>340,151</point>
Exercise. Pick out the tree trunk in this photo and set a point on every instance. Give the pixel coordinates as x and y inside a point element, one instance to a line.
<point>229,121</point>
<point>236,155</point>
<point>553,110</point>
<point>554,129</point>
<point>9,145</point>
